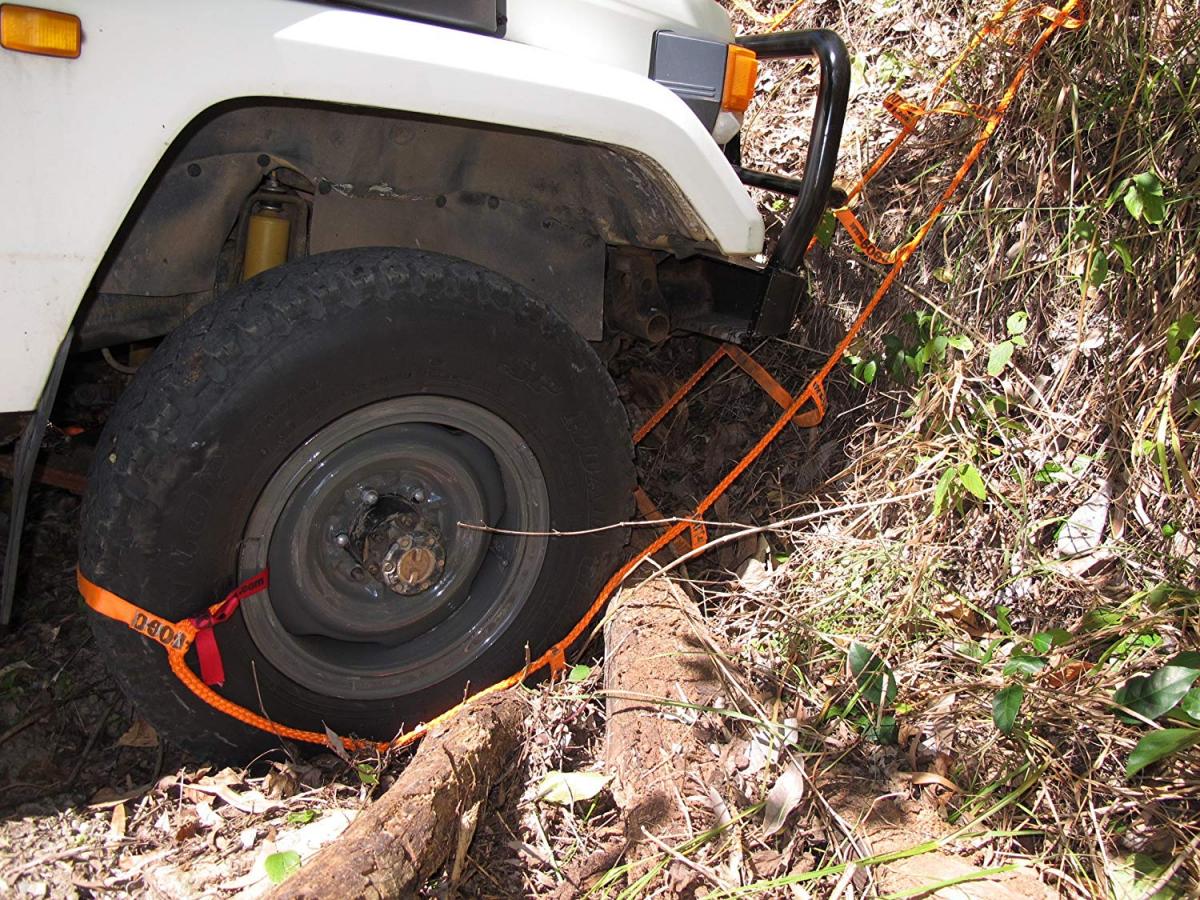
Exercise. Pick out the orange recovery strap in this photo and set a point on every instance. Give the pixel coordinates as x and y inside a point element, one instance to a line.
<point>805,409</point>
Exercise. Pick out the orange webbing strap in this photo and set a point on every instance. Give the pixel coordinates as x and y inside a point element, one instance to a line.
<point>909,115</point>
<point>172,635</point>
<point>806,408</point>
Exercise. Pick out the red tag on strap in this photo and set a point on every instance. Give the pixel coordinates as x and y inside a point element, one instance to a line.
<point>212,670</point>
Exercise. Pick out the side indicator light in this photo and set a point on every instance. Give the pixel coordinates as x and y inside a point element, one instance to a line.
<point>741,72</point>
<point>41,31</point>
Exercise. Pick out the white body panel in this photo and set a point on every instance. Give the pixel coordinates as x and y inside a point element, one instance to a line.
<point>80,137</point>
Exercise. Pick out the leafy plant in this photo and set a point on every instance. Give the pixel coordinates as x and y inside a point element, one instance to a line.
<point>877,690</point>
<point>367,774</point>
<point>863,369</point>
<point>1016,325</point>
<point>956,483</point>
<point>929,349</point>
<point>1027,661</point>
<point>1179,333</point>
<point>1166,692</point>
<point>876,682</point>
<point>1143,198</point>
<point>1006,705</point>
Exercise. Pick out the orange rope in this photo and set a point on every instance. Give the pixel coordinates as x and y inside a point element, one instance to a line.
<point>805,409</point>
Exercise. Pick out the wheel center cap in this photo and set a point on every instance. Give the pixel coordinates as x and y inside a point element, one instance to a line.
<point>402,547</point>
<point>414,567</point>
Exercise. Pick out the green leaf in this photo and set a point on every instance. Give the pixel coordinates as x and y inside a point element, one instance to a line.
<point>864,371</point>
<point>1135,878</point>
<point>1084,229</point>
<point>1097,269</point>
<point>579,673</point>
<point>1006,705</point>
<point>1055,637</point>
<point>1003,622</point>
<point>1017,323</point>
<point>944,275</point>
<point>962,343</point>
<point>1097,619</point>
<point>1144,198</point>
<point>970,478</point>
<point>1025,666</point>
<point>366,774</point>
<point>565,788</point>
<point>999,357</point>
<point>825,228</point>
<point>1159,744</point>
<point>1179,333</point>
<point>1151,189</point>
<point>1190,703</point>
<point>1126,256</point>
<point>280,865</point>
<point>301,816</point>
<point>942,491</point>
<point>876,681</point>
<point>1157,694</point>
<point>885,731</point>
<point>1045,475</point>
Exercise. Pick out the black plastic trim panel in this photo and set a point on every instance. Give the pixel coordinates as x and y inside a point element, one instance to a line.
<point>482,16</point>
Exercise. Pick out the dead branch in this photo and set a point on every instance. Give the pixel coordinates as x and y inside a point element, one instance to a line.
<point>406,835</point>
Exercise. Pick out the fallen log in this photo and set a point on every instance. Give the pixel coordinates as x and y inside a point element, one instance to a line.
<point>407,835</point>
<point>659,662</point>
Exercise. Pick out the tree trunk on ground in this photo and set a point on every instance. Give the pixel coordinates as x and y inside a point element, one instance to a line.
<point>406,836</point>
<point>658,648</point>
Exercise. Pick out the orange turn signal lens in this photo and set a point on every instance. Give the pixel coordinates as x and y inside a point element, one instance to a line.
<point>741,72</point>
<point>40,31</point>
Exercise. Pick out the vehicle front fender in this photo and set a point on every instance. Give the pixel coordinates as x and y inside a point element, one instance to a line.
<point>83,137</point>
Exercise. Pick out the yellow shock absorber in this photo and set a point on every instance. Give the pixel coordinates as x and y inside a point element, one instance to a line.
<point>267,239</point>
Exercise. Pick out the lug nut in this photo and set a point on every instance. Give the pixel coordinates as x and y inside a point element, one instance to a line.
<point>369,497</point>
<point>342,540</point>
<point>389,568</point>
<point>418,496</point>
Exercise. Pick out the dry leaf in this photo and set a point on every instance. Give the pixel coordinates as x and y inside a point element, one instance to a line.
<point>208,818</point>
<point>784,796</point>
<point>1083,531</point>
<point>565,788</point>
<point>253,802</point>
<point>118,822</point>
<point>139,734</point>
<point>935,778</point>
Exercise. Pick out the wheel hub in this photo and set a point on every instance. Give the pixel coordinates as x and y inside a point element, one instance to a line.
<point>401,546</point>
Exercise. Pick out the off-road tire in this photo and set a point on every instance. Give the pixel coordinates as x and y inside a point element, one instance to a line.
<point>247,380</point>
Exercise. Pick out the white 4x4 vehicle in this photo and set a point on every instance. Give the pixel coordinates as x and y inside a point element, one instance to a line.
<point>376,238</point>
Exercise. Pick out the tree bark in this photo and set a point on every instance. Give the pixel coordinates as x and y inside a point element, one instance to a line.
<point>405,836</point>
<point>657,648</point>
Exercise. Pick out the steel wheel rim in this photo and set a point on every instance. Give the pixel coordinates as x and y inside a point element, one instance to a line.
<point>358,640</point>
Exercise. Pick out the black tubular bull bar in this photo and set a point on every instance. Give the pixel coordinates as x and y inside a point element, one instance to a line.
<point>811,190</point>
